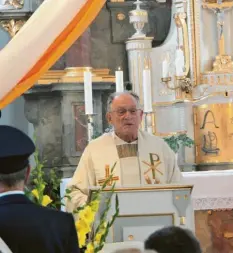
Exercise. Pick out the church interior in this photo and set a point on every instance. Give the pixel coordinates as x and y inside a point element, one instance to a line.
<point>175,54</point>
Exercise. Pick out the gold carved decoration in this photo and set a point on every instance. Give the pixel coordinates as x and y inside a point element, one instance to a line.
<point>17,4</point>
<point>213,128</point>
<point>180,21</point>
<point>228,235</point>
<point>120,16</point>
<point>12,26</point>
<point>210,78</point>
<point>75,75</point>
<point>223,63</point>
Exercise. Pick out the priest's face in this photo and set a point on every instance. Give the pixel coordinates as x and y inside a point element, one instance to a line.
<point>125,116</point>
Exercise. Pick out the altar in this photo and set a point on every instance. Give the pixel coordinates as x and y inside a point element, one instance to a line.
<point>217,196</point>
<point>184,80</point>
<point>212,200</point>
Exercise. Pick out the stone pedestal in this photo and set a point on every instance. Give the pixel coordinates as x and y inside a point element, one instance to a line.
<point>57,113</point>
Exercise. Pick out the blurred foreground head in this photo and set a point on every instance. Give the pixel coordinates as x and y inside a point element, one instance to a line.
<point>15,149</point>
<point>173,240</point>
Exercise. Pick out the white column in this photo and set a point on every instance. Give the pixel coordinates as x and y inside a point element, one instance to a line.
<point>138,50</point>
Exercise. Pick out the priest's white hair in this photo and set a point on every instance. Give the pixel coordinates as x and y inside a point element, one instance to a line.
<point>117,94</point>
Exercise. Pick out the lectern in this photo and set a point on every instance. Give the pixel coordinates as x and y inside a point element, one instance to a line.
<point>146,209</point>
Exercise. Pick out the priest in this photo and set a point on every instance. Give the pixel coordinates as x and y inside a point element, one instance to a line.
<point>141,158</point>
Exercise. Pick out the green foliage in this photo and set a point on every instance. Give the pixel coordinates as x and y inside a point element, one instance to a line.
<point>106,224</point>
<point>44,184</point>
<point>176,141</point>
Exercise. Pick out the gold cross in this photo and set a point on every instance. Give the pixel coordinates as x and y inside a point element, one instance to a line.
<point>153,168</point>
<point>107,175</point>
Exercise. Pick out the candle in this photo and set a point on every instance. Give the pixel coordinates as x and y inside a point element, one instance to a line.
<point>147,93</point>
<point>179,62</point>
<point>119,80</point>
<point>165,68</point>
<point>88,92</point>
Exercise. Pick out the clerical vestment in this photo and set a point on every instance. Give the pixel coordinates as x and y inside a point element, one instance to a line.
<point>149,160</point>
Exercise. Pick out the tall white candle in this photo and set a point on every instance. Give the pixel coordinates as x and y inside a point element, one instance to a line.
<point>165,68</point>
<point>147,93</point>
<point>119,81</point>
<point>88,92</point>
<point>179,62</point>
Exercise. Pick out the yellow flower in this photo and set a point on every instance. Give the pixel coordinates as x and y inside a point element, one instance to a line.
<point>35,193</point>
<point>81,239</point>
<point>46,200</point>
<point>87,214</point>
<point>94,205</point>
<point>82,226</point>
<point>90,248</point>
<point>83,229</point>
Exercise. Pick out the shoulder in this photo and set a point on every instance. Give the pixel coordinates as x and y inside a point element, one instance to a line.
<point>56,214</point>
<point>102,140</point>
<point>156,140</point>
<point>153,138</point>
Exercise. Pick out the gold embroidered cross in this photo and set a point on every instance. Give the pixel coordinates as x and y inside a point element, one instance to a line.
<point>107,175</point>
<point>153,168</point>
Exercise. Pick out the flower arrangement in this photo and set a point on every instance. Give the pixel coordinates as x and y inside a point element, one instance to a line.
<point>86,217</point>
<point>91,236</point>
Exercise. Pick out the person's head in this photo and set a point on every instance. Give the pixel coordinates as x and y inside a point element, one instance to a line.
<point>15,149</point>
<point>124,114</point>
<point>173,239</point>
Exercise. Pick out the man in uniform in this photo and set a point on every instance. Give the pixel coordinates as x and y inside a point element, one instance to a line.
<point>141,158</point>
<point>24,226</point>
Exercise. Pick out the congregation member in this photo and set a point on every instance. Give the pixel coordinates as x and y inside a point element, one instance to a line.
<point>141,158</point>
<point>24,226</point>
<point>173,239</point>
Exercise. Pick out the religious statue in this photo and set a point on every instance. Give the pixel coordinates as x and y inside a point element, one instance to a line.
<point>223,62</point>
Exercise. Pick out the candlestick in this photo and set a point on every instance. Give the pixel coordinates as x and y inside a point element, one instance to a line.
<point>148,122</point>
<point>88,92</point>
<point>119,80</point>
<point>90,127</point>
<point>147,93</point>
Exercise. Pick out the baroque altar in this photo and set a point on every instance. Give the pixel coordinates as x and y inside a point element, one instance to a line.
<point>192,92</point>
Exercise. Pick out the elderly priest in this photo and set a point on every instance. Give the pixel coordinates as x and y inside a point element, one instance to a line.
<point>140,158</point>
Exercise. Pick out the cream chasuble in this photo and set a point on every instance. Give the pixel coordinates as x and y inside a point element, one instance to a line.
<point>146,161</point>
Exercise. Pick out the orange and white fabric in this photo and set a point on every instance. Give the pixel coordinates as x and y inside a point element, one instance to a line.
<point>51,30</point>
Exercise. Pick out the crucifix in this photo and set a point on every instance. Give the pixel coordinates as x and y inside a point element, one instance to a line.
<point>219,8</point>
<point>107,175</point>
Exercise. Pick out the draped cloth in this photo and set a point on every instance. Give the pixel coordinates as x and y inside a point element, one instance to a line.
<point>50,31</point>
<point>152,163</point>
